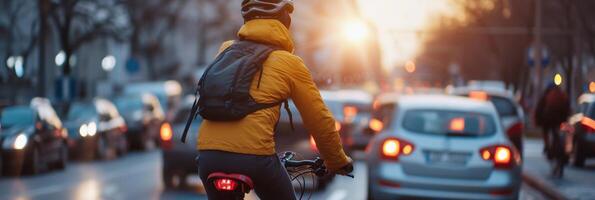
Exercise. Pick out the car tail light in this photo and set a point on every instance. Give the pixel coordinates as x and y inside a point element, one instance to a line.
<point>225,184</point>
<point>502,156</point>
<point>349,112</point>
<point>457,124</point>
<point>338,126</point>
<point>515,130</point>
<point>478,95</point>
<point>588,125</point>
<point>166,132</point>
<point>313,144</point>
<point>376,125</point>
<point>393,148</point>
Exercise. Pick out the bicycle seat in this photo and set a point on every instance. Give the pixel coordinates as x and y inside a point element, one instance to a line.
<point>229,182</point>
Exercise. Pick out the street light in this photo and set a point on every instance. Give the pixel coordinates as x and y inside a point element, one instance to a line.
<point>18,66</point>
<point>355,31</point>
<point>558,79</point>
<point>108,63</point>
<point>410,67</point>
<point>592,87</point>
<point>60,58</point>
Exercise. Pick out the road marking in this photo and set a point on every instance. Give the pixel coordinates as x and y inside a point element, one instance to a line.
<point>338,195</point>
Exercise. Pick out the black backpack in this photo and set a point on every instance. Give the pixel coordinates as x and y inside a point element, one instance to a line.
<point>224,88</point>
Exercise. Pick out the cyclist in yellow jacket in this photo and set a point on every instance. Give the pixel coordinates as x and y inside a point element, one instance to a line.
<point>247,145</point>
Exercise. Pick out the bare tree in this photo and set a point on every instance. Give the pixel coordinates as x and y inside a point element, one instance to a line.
<point>152,21</point>
<point>18,31</point>
<point>78,22</point>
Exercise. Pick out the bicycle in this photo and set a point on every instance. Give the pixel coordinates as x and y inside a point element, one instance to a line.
<point>236,186</point>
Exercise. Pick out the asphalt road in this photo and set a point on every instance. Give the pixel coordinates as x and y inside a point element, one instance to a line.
<point>138,176</point>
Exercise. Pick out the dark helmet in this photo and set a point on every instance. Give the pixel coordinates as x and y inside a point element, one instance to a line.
<point>265,9</point>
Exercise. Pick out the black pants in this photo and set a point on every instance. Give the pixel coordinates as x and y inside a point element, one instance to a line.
<point>270,178</point>
<point>555,144</point>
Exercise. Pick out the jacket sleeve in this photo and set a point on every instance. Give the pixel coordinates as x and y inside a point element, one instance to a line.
<point>318,120</point>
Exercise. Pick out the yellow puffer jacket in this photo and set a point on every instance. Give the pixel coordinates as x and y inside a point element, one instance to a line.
<point>284,76</point>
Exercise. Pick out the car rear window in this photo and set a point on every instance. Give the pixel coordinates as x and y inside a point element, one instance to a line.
<point>504,106</point>
<point>449,123</point>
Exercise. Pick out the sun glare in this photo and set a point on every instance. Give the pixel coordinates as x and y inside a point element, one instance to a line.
<point>400,22</point>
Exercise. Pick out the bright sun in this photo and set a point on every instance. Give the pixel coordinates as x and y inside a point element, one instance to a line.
<point>398,22</point>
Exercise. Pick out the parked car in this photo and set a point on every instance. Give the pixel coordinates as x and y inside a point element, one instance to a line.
<point>510,111</point>
<point>178,157</point>
<point>582,129</point>
<point>439,147</point>
<point>97,131</point>
<point>143,116</point>
<point>33,139</point>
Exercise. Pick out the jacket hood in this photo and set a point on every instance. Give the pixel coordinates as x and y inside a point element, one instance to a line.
<point>267,31</point>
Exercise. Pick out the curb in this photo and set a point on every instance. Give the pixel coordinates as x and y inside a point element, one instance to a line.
<point>546,189</point>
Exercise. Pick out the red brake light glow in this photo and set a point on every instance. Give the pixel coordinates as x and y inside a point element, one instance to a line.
<point>225,184</point>
<point>376,125</point>
<point>313,146</point>
<point>392,148</point>
<point>457,124</point>
<point>478,95</point>
<point>516,129</point>
<point>501,156</point>
<point>588,124</point>
<point>349,112</point>
<point>166,133</point>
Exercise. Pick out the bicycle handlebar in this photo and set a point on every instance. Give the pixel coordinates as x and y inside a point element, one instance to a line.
<point>316,165</point>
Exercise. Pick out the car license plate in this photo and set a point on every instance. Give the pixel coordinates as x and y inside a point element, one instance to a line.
<point>450,158</point>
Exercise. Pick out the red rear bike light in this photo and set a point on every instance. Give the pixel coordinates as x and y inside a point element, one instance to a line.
<point>588,125</point>
<point>313,146</point>
<point>392,148</point>
<point>166,132</point>
<point>225,184</point>
<point>500,155</point>
<point>515,130</point>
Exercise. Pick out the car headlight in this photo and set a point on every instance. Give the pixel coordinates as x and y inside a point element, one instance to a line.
<point>89,129</point>
<point>92,128</point>
<point>20,141</point>
<point>83,130</point>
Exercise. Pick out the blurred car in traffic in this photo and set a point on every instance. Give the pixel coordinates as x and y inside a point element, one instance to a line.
<point>582,131</point>
<point>179,158</point>
<point>509,110</point>
<point>441,147</point>
<point>351,109</point>
<point>168,92</point>
<point>33,139</point>
<point>97,131</point>
<point>143,116</point>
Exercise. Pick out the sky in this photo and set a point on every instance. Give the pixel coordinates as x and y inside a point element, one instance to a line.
<point>396,19</point>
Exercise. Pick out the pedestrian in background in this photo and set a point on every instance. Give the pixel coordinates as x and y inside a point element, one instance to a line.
<point>552,110</point>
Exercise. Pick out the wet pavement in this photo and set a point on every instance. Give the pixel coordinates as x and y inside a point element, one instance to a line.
<point>577,183</point>
<point>138,176</point>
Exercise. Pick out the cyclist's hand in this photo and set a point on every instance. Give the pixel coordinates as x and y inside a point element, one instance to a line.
<point>346,170</point>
